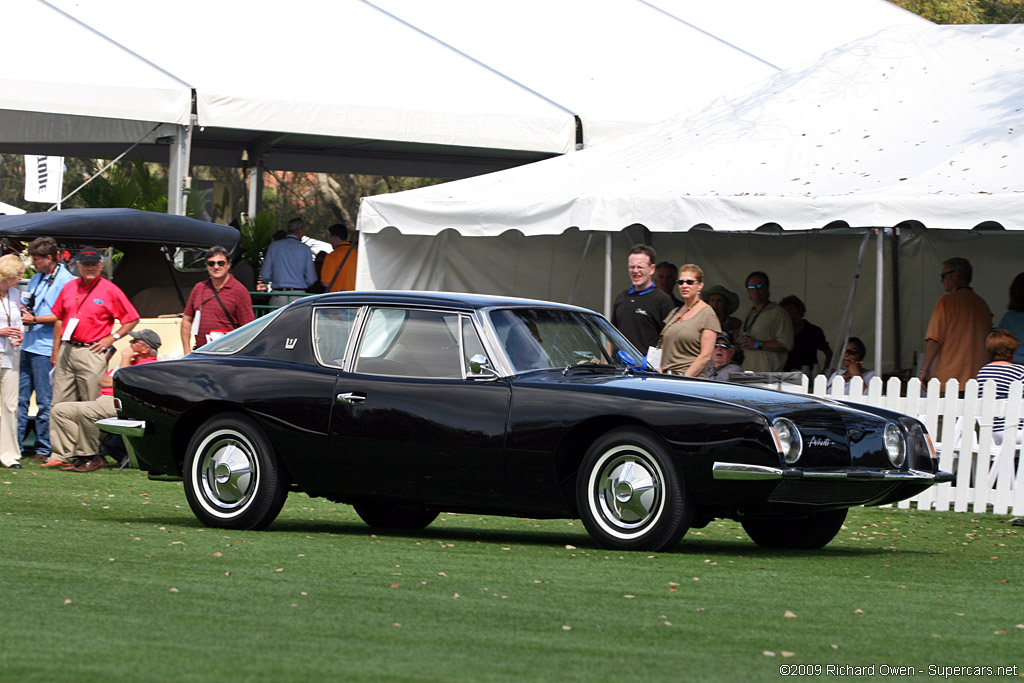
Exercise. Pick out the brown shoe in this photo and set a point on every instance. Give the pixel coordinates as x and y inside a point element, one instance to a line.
<point>91,464</point>
<point>75,462</point>
<point>40,457</point>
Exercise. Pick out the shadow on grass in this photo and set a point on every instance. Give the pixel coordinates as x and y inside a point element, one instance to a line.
<point>690,545</point>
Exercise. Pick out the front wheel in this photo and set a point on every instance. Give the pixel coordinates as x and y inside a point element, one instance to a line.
<point>630,494</point>
<point>806,533</point>
<point>232,478</point>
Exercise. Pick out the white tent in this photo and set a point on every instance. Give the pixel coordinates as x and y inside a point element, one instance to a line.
<point>911,124</point>
<point>450,88</point>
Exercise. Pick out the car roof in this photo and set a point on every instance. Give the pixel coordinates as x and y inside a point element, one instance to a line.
<point>461,300</point>
<point>117,227</point>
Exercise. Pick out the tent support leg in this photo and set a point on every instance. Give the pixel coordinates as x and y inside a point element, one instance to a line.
<point>879,296</point>
<point>255,187</point>
<point>177,172</point>
<point>608,275</point>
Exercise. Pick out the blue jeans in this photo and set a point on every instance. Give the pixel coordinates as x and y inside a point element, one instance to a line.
<point>35,376</point>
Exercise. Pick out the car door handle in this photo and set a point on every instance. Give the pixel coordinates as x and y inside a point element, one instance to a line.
<point>351,397</point>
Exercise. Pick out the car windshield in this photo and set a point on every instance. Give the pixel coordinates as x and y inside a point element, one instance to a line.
<point>236,339</point>
<point>536,338</point>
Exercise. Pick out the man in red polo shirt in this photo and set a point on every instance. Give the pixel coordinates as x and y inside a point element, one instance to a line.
<point>86,310</point>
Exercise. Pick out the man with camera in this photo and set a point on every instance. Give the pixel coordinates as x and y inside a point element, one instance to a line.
<point>38,320</point>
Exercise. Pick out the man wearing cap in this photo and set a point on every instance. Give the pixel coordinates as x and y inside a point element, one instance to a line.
<point>726,358</point>
<point>86,310</point>
<point>724,303</point>
<point>73,431</point>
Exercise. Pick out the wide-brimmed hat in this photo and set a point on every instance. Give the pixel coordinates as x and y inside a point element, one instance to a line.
<point>732,301</point>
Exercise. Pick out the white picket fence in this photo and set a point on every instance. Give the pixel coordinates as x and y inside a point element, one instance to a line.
<point>989,476</point>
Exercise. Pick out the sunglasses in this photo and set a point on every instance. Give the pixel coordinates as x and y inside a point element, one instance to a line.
<point>850,352</point>
<point>943,275</point>
<point>757,286</point>
<point>216,264</point>
<point>723,346</point>
<point>687,282</point>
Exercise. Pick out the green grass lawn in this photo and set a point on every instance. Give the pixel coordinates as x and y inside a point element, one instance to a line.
<point>108,577</point>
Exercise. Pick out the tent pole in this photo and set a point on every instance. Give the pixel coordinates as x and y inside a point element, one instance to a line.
<point>177,170</point>
<point>608,275</point>
<point>255,182</point>
<point>879,296</point>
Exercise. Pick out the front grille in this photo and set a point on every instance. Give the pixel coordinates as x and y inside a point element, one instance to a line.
<point>843,492</point>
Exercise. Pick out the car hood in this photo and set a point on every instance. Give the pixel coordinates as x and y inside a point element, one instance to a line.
<point>768,402</point>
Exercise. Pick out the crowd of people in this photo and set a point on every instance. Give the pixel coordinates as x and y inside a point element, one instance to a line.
<point>57,339</point>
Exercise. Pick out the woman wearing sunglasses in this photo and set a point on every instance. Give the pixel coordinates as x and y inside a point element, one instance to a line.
<point>688,337</point>
<point>216,305</point>
<point>853,366</point>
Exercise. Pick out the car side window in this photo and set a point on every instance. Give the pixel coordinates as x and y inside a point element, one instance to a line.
<point>332,328</point>
<point>411,343</point>
<point>471,344</point>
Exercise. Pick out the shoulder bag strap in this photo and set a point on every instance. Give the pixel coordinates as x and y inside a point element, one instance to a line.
<point>340,266</point>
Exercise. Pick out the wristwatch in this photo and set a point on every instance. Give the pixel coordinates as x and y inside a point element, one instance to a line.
<point>115,335</point>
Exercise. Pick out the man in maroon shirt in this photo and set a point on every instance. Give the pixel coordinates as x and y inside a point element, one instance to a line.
<point>216,305</point>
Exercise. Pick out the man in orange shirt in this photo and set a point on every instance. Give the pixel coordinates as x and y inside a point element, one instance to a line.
<point>338,273</point>
<point>958,328</point>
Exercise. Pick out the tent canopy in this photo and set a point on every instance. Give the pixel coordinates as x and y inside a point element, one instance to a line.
<point>913,123</point>
<point>913,126</point>
<point>449,88</point>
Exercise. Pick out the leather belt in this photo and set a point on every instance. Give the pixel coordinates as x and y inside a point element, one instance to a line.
<point>80,345</point>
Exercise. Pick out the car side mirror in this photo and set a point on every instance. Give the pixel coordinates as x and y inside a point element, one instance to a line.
<point>479,368</point>
<point>631,362</point>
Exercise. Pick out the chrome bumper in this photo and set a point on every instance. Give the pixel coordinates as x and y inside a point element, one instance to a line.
<point>742,471</point>
<point>126,428</point>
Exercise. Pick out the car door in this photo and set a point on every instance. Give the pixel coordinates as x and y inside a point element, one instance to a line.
<point>408,422</point>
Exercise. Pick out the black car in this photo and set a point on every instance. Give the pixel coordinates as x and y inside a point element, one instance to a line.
<point>405,404</point>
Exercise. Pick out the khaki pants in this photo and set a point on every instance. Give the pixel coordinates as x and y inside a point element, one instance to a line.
<point>77,374</point>
<point>73,431</point>
<point>10,449</point>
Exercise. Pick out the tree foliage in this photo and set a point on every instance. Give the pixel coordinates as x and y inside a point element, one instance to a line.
<point>966,11</point>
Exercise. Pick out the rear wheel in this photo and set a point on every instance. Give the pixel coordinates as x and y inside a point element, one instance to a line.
<point>232,477</point>
<point>630,494</point>
<point>395,516</point>
<point>806,533</point>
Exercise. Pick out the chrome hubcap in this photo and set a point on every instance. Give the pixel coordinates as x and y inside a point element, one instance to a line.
<point>227,471</point>
<point>628,489</point>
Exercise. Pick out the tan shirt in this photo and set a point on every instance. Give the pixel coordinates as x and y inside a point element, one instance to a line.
<point>680,343</point>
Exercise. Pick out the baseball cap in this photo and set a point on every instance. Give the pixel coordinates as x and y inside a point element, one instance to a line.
<point>147,337</point>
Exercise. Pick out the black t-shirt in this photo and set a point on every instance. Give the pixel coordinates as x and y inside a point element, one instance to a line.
<point>641,315</point>
<point>806,344</point>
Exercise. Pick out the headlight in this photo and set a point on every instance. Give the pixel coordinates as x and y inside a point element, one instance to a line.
<point>788,439</point>
<point>895,445</point>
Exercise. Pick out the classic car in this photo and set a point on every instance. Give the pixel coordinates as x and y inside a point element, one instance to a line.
<point>405,404</point>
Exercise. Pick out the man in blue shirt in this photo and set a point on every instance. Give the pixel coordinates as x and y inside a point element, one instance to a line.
<point>42,291</point>
<point>288,264</point>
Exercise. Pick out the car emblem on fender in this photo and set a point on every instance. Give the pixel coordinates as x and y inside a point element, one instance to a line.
<point>290,342</point>
<point>819,441</point>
